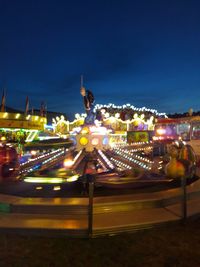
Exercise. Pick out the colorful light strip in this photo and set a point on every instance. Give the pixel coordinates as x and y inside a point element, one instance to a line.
<point>143,109</point>
<point>51,180</point>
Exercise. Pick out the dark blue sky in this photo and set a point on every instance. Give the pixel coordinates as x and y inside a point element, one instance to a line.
<point>143,52</point>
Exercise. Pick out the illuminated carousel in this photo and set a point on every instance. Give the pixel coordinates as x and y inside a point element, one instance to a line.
<point>113,151</point>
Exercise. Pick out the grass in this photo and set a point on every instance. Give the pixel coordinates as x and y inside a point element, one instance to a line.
<point>172,246</point>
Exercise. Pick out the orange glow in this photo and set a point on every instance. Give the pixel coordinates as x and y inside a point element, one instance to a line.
<point>160,131</point>
<point>68,163</point>
<point>85,130</point>
<point>33,152</point>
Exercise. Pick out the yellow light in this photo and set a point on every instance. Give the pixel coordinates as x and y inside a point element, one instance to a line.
<point>151,118</point>
<point>135,116</point>
<point>117,115</point>
<point>48,180</point>
<point>83,141</point>
<point>85,130</point>
<point>68,163</point>
<point>142,116</point>
<point>33,152</point>
<point>72,178</point>
<point>3,138</point>
<point>112,119</point>
<point>36,118</point>
<point>38,188</point>
<point>111,143</point>
<point>56,188</point>
<point>5,114</point>
<point>160,131</point>
<point>28,117</point>
<point>17,116</point>
<point>107,115</point>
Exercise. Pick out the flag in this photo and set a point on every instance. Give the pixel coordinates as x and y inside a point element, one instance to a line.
<point>45,109</point>
<point>42,109</point>
<point>3,101</point>
<point>27,106</point>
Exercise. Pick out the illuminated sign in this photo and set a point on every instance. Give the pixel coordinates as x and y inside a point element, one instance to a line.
<point>21,124</point>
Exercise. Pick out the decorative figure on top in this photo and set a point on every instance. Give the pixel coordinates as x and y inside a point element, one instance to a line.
<point>88,99</point>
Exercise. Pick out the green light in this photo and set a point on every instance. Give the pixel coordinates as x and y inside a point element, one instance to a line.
<point>47,180</point>
<point>50,180</point>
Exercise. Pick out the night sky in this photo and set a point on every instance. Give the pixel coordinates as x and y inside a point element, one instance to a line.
<point>146,53</point>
